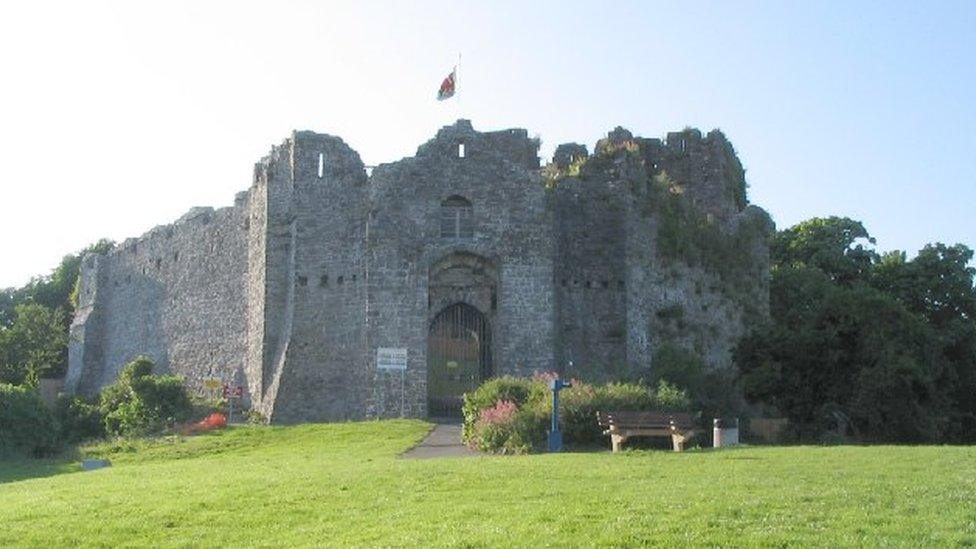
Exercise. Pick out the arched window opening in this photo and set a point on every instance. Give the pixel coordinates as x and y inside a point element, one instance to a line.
<point>457,218</point>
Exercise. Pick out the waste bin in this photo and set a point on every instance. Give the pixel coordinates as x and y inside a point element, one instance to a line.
<point>725,432</point>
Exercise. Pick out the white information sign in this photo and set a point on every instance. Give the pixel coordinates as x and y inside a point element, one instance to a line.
<point>391,358</point>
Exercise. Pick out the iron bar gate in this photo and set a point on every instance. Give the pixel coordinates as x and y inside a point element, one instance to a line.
<point>458,357</point>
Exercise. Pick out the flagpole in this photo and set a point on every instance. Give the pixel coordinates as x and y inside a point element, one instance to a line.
<point>457,89</point>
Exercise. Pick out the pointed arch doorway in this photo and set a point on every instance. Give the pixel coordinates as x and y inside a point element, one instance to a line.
<point>458,357</point>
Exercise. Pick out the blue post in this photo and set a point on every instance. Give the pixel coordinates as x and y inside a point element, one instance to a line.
<point>555,435</point>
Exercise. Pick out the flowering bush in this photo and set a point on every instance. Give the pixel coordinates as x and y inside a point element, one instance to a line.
<point>215,420</point>
<point>494,427</point>
<point>511,415</point>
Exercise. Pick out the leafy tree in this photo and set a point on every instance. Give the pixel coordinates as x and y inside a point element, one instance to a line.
<point>834,245</point>
<point>875,345</point>
<point>847,358</point>
<point>35,346</point>
<point>938,285</point>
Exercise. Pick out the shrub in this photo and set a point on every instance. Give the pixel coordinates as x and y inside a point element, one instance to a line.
<point>26,425</point>
<point>512,415</point>
<point>78,420</point>
<point>494,426</point>
<point>516,390</point>
<point>141,403</point>
<point>714,392</point>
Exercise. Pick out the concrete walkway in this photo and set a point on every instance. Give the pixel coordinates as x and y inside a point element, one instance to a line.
<point>444,440</point>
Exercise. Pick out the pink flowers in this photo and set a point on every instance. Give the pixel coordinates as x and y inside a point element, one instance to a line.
<point>502,412</point>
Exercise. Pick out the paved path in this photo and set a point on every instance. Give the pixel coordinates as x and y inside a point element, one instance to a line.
<point>444,440</point>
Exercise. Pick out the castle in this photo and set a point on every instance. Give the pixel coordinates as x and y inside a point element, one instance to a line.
<point>331,291</point>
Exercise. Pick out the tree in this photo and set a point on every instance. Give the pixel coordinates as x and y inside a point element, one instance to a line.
<point>938,285</point>
<point>35,346</point>
<point>844,357</point>
<point>834,245</point>
<point>876,344</point>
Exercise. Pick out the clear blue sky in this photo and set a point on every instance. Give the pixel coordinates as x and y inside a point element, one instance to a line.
<point>115,117</point>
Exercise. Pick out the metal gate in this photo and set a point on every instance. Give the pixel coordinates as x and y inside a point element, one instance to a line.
<point>458,357</point>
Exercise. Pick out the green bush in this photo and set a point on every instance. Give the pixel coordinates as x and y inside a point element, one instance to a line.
<point>140,403</point>
<point>512,415</point>
<point>78,420</point>
<point>26,425</point>
<point>714,392</point>
<point>507,388</point>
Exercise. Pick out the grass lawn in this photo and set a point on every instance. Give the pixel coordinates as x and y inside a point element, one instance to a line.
<point>342,484</point>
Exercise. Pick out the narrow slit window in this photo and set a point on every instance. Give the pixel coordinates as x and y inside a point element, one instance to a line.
<point>460,150</point>
<point>321,164</point>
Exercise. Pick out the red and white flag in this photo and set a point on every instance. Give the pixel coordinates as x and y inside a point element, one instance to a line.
<point>447,86</point>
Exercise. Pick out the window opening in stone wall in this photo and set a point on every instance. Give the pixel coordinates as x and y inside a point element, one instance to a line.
<point>457,218</point>
<point>339,280</point>
<point>324,281</point>
<point>321,164</point>
<point>460,150</point>
<point>303,281</point>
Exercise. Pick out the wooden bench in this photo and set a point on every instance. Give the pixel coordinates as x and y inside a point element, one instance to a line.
<point>623,425</point>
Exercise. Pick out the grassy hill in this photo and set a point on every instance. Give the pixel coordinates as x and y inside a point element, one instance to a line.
<point>342,484</point>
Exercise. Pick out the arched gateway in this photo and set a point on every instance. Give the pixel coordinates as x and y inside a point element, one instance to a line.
<point>462,318</point>
<point>458,357</point>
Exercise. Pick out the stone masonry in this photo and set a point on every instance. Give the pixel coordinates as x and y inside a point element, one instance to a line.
<point>291,291</point>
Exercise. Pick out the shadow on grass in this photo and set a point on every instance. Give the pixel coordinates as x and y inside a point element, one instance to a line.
<point>17,469</point>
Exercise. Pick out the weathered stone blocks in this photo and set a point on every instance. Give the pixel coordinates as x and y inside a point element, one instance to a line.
<point>290,291</point>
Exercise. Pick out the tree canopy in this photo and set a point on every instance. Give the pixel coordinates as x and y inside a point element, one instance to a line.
<point>875,346</point>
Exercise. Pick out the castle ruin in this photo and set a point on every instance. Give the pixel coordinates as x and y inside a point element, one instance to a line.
<point>333,292</point>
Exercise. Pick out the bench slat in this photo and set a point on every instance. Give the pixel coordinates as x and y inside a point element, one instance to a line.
<point>644,419</point>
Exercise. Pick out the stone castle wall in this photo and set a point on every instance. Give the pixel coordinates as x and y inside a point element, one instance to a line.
<point>292,290</point>
<point>176,295</point>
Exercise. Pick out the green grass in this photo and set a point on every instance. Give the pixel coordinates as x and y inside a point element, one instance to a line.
<point>342,485</point>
